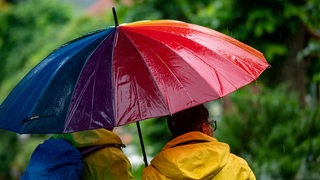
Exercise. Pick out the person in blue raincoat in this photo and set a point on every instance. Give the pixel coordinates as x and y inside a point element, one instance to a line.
<point>91,154</point>
<point>54,159</point>
<point>194,153</point>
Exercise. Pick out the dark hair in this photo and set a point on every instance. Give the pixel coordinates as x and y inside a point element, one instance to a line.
<point>187,120</point>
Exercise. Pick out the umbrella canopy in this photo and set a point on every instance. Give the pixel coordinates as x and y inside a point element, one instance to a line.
<point>128,73</point>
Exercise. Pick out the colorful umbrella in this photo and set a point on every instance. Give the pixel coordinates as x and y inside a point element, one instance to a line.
<point>128,73</point>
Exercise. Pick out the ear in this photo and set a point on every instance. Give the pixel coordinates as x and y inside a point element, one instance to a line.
<point>202,128</point>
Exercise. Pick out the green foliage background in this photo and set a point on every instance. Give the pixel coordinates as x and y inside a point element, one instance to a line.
<point>273,123</point>
<point>278,138</point>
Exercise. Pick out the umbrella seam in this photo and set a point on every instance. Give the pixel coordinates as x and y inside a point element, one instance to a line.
<point>149,72</point>
<point>164,64</point>
<point>68,120</point>
<point>198,29</point>
<point>229,39</point>
<point>217,72</point>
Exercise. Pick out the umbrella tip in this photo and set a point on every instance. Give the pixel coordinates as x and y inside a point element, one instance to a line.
<point>115,17</point>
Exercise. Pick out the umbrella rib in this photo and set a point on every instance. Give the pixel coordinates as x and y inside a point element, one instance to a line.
<point>172,71</point>
<point>204,30</point>
<point>221,74</point>
<point>229,39</point>
<point>216,72</point>
<point>162,99</point>
<point>77,101</point>
<point>71,113</point>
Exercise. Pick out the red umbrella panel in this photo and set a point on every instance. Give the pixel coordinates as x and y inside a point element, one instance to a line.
<point>129,73</point>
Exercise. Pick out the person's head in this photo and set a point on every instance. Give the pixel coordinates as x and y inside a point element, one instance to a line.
<point>192,119</point>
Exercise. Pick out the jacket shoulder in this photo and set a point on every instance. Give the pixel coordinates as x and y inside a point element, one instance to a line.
<point>150,173</point>
<point>236,168</point>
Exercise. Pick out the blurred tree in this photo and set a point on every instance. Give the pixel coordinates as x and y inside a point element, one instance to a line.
<point>24,30</point>
<point>274,134</point>
<point>280,30</point>
<point>8,150</point>
<point>287,32</point>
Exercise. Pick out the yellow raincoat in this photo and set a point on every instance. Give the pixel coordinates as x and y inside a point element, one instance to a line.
<point>106,163</point>
<point>197,156</point>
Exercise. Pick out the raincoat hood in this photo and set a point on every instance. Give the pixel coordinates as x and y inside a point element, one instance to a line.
<point>108,162</point>
<point>88,138</point>
<point>196,156</point>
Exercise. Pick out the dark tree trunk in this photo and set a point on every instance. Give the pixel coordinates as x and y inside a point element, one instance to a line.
<point>293,70</point>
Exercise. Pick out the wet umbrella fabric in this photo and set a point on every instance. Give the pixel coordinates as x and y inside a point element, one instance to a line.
<point>128,73</point>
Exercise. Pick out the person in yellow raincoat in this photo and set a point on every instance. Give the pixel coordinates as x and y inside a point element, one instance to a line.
<point>194,153</point>
<point>101,154</point>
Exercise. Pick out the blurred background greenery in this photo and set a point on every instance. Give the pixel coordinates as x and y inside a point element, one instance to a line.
<point>274,123</point>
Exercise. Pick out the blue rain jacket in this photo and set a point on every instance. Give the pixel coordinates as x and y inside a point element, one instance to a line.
<point>54,159</point>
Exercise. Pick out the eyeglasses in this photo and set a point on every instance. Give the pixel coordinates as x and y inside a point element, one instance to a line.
<point>212,123</point>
